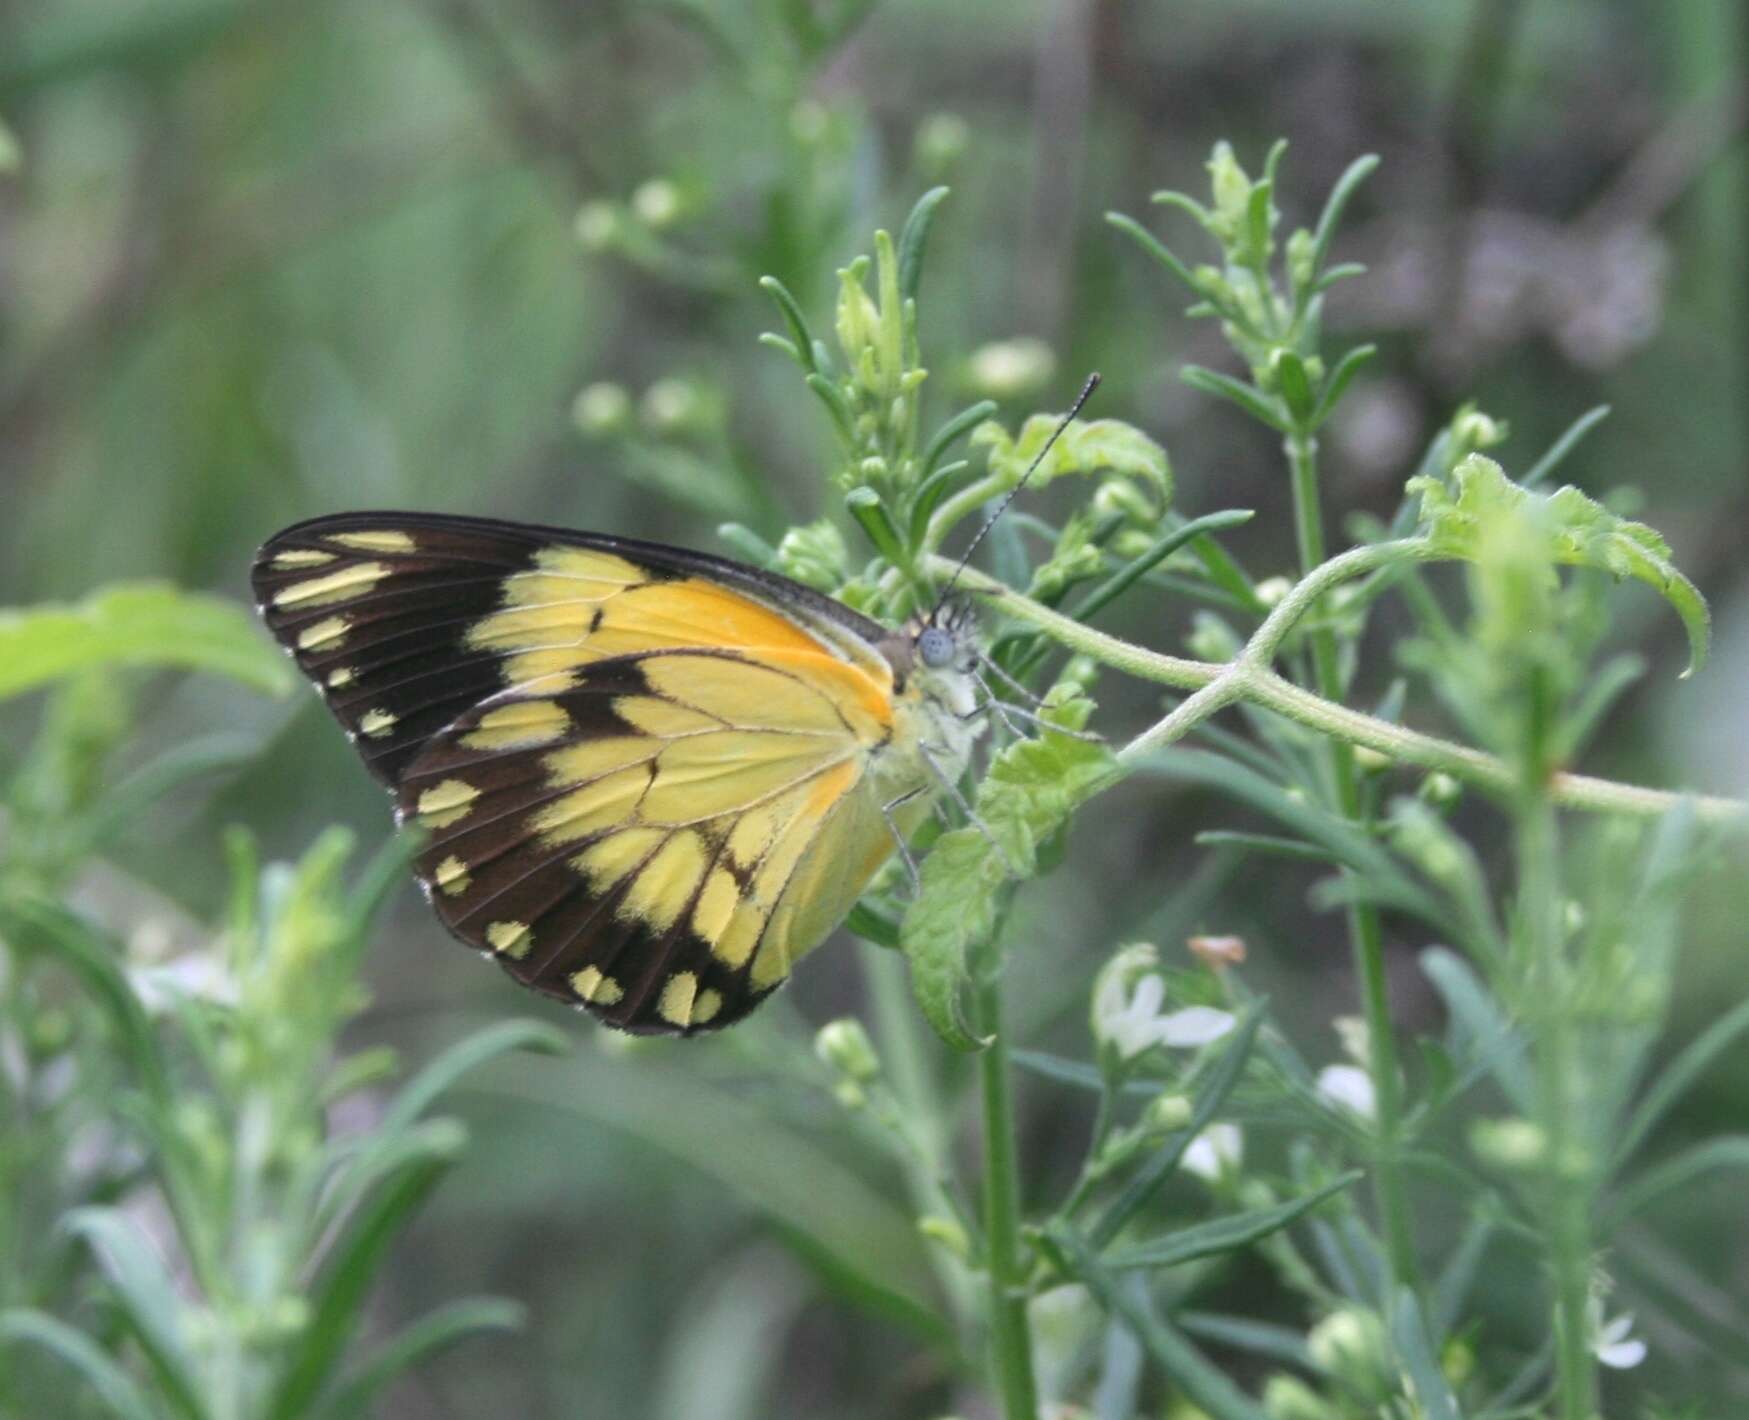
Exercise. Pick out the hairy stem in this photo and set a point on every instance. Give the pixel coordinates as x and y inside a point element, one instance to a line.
<point>1010,1341</point>
<point>1272,692</point>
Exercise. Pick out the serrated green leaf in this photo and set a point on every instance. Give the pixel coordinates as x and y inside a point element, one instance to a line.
<point>1581,532</point>
<point>137,624</point>
<point>1030,791</point>
<point>1085,446</point>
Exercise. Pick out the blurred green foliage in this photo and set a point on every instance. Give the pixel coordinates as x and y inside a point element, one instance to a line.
<point>263,261</point>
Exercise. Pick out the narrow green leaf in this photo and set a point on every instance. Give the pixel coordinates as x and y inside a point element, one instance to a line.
<point>1255,403</point>
<point>914,241</point>
<point>1264,843</point>
<point>468,1054</point>
<point>146,1297</point>
<point>1353,176</point>
<point>872,926</point>
<point>1486,1036</point>
<point>436,1331</point>
<point>114,1386</point>
<point>871,514</point>
<point>1416,1349</point>
<point>1451,1289</point>
<point>929,496</point>
<point>952,431</point>
<point>1679,1076</point>
<point>1163,547</point>
<point>1183,1364</point>
<point>1260,1338</point>
<point>1151,244</point>
<point>350,1269</point>
<point>1221,1235</point>
<point>1558,451</point>
<point>747,544</point>
<point>863,1236</point>
<point>1211,1095</point>
<point>1337,381</point>
<point>801,338</point>
<point>137,624</point>
<point>1296,387</point>
<point>1709,1156</point>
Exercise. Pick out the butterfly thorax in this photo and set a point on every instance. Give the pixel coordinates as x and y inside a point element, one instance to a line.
<point>935,697</point>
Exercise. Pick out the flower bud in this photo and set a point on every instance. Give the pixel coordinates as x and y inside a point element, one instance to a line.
<point>1211,639</point>
<point>947,1233</point>
<point>1514,1144</point>
<point>1167,1112</point>
<point>844,1045</point>
<point>1289,1398</point>
<point>1301,248</point>
<point>1217,953</point>
<point>1350,1345</point>
<point>598,226</point>
<point>657,203</point>
<point>940,142</point>
<point>672,406</point>
<point>1008,369</point>
<point>602,409</point>
<point>1271,590</point>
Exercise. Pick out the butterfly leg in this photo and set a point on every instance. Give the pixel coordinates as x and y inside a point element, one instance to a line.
<point>898,837</point>
<point>990,704</point>
<point>1035,719</point>
<point>953,792</point>
<point>991,664</point>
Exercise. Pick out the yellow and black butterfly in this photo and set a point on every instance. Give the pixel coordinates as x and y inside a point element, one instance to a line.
<point>650,779</point>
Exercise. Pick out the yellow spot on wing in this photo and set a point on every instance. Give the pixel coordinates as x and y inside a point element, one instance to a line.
<point>376,723</point>
<point>510,938</point>
<point>741,936</point>
<point>665,885</point>
<point>675,1005</point>
<point>339,586</point>
<point>301,557</point>
<point>520,723</point>
<point>340,677</point>
<point>446,803</point>
<point>580,763</point>
<point>591,985</point>
<point>706,1006</point>
<point>331,631</point>
<point>606,862</point>
<point>451,876</point>
<point>602,803</point>
<point>661,717</point>
<point>715,904</point>
<point>380,541</point>
<point>589,564</point>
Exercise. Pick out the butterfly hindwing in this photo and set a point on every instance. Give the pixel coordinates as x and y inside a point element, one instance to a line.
<point>629,839</point>
<point>640,769</point>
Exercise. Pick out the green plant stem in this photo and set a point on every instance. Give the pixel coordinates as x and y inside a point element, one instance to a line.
<point>1270,691</point>
<point>913,1082</point>
<point>1010,1341</point>
<point>1365,935</point>
<point>1566,1205</point>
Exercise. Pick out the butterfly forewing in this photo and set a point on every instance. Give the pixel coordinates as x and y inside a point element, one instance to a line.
<point>630,761</point>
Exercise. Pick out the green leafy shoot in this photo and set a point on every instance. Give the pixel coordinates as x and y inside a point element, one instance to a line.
<point>1581,532</point>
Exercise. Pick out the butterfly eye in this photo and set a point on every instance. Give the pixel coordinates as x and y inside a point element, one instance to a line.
<point>935,647</point>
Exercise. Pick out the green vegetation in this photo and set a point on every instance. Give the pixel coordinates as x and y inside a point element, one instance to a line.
<point>1363,1057</point>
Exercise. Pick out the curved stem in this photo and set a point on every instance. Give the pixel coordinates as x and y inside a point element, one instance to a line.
<point>1267,639</point>
<point>960,505</point>
<point>1265,688</point>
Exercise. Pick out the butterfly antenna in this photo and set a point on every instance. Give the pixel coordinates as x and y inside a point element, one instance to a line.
<point>1002,507</point>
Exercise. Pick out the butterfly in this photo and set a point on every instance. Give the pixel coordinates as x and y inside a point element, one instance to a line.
<point>649,780</point>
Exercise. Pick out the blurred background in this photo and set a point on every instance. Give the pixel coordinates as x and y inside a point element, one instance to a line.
<point>260,261</point>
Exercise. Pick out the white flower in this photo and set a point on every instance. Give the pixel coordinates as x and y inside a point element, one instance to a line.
<point>1612,1344</point>
<point>1214,1152</point>
<point>193,976</point>
<point>1349,1086</point>
<point>1133,1023</point>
